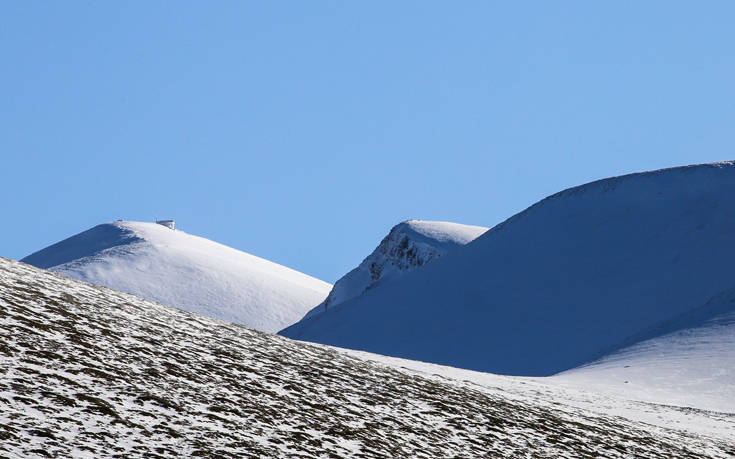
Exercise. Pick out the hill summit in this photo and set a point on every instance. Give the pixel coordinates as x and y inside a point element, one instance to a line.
<point>176,268</point>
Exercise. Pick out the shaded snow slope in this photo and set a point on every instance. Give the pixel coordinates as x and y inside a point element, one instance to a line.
<point>686,361</point>
<point>176,268</point>
<point>559,283</point>
<point>408,246</point>
<point>87,371</point>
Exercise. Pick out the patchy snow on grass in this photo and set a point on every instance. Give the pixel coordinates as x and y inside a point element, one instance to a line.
<point>88,370</point>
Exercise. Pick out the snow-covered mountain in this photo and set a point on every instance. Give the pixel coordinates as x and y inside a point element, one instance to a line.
<point>90,372</point>
<point>408,245</point>
<point>560,284</point>
<point>176,268</point>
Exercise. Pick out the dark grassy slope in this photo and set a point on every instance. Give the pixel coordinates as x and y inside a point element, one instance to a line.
<point>87,369</point>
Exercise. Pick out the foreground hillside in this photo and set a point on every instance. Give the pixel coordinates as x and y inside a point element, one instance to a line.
<point>408,246</point>
<point>191,272</point>
<point>88,371</point>
<point>559,284</point>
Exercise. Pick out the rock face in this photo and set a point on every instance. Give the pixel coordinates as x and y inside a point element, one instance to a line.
<point>87,371</point>
<point>558,284</point>
<point>408,246</point>
<point>191,272</point>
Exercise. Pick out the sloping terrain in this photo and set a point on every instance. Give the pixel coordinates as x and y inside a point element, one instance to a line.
<point>408,246</point>
<point>193,273</point>
<point>87,371</point>
<point>686,361</point>
<point>558,284</point>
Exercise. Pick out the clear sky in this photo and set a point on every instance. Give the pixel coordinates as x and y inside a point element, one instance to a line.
<point>302,131</point>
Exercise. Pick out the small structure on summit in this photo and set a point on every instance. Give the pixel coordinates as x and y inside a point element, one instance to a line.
<point>167,223</point>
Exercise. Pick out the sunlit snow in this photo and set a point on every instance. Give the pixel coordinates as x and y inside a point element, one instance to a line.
<point>191,272</point>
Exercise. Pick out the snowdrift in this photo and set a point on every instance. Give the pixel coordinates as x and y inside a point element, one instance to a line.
<point>685,361</point>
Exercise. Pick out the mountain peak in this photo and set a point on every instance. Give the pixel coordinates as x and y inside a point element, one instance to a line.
<point>438,231</point>
<point>408,246</point>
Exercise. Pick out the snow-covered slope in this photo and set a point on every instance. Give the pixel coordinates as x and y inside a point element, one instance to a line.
<point>89,372</point>
<point>686,361</point>
<point>176,268</point>
<point>408,245</point>
<point>556,285</point>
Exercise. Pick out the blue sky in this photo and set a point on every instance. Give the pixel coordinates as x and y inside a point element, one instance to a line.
<point>302,131</point>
